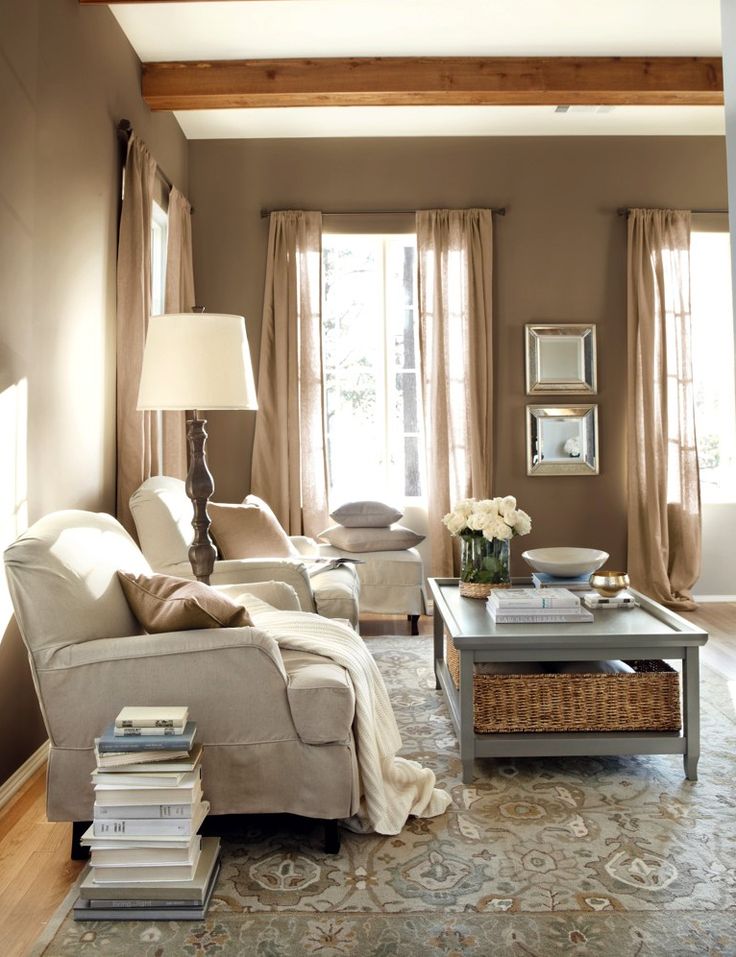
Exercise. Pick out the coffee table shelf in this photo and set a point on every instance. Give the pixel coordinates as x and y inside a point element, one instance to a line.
<point>649,631</point>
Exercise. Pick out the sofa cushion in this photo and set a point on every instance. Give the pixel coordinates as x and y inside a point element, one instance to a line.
<point>321,697</point>
<point>366,514</point>
<point>249,531</point>
<point>371,539</point>
<point>163,514</point>
<point>163,603</point>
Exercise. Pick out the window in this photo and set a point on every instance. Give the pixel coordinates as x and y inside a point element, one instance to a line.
<point>371,363</point>
<point>713,361</point>
<point>159,239</point>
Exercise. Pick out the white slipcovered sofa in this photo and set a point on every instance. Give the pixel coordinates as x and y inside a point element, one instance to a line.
<point>276,726</point>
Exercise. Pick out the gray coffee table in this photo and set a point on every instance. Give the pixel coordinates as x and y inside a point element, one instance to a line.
<point>650,631</point>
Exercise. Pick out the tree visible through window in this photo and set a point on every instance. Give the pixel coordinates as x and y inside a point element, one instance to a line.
<point>371,362</point>
<point>713,363</point>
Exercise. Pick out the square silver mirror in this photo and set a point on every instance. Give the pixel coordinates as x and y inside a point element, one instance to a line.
<point>560,358</point>
<point>562,440</point>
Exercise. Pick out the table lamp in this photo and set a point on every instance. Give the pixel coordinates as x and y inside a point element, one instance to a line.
<point>195,361</point>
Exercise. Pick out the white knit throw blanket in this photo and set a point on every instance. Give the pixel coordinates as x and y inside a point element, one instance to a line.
<point>392,788</point>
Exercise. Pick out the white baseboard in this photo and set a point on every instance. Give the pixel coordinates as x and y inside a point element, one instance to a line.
<point>705,599</point>
<point>25,772</point>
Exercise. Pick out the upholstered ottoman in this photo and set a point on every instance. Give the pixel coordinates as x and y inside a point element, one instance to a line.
<point>391,583</point>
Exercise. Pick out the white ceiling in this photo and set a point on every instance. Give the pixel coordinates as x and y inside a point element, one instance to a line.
<point>328,28</point>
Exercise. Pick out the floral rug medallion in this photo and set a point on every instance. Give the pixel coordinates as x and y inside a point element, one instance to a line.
<point>605,856</point>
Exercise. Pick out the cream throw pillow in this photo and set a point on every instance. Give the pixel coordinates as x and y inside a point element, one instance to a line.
<point>365,514</point>
<point>250,530</point>
<point>395,538</point>
<point>165,603</point>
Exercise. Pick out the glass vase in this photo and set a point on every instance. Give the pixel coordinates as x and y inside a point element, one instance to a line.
<point>484,564</point>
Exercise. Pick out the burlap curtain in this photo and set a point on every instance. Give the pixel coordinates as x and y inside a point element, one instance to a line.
<point>148,443</point>
<point>137,431</point>
<point>663,483</point>
<point>455,325</point>
<point>289,452</point>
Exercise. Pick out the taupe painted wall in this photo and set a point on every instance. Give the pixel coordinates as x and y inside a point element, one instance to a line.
<point>559,255</point>
<point>67,75</point>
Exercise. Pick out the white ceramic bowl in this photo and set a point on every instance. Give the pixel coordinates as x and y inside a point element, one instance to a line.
<point>565,562</point>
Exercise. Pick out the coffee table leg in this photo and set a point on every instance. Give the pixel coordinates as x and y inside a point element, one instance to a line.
<point>439,643</point>
<point>691,711</point>
<point>467,721</point>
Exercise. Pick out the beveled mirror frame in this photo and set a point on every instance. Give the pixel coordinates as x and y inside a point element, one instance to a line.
<point>587,464</point>
<point>537,381</point>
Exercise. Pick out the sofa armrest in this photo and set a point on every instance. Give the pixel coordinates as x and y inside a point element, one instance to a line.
<point>237,571</point>
<point>321,698</point>
<point>307,547</point>
<point>278,594</point>
<point>232,679</point>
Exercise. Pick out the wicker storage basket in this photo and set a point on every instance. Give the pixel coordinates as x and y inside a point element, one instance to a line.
<point>648,700</point>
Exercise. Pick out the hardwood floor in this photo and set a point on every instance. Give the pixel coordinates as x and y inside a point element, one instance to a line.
<point>35,870</point>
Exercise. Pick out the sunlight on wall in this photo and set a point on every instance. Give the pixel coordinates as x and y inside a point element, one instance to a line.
<point>13,478</point>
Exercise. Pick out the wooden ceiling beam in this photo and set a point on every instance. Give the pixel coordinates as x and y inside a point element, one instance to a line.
<point>434,81</point>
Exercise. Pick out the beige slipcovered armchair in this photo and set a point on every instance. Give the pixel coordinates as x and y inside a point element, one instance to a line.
<point>276,726</point>
<point>162,512</point>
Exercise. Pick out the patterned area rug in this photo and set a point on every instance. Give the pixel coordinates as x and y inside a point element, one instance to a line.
<point>603,856</point>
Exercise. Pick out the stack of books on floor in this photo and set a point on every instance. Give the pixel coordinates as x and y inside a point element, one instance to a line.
<point>576,583</point>
<point>518,606</point>
<point>147,860</point>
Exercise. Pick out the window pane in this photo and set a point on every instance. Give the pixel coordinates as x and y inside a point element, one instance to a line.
<point>713,364</point>
<point>370,347</point>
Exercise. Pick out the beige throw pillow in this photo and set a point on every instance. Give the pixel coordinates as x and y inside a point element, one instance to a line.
<point>391,539</point>
<point>164,603</point>
<point>365,514</point>
<point>249,530</point>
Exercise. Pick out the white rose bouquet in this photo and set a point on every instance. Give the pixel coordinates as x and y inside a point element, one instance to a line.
<point>485,527</point>
<point>489,517</point>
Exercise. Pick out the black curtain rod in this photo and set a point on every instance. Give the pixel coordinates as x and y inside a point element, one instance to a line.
<point>625,210</point>
<point>496,210</point>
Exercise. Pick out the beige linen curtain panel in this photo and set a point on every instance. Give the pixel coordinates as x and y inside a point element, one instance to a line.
<point>289,452</point>
<point>455,327</point>
<point>664,548</point>
<point>148,443</point>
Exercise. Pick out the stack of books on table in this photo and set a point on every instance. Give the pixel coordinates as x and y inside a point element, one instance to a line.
<point>592,600</point>
<point>517,606</point>
<point>147,860</point>
<point>576,583</point>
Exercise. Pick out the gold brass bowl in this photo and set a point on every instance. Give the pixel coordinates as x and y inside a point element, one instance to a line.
<point>609,583</point>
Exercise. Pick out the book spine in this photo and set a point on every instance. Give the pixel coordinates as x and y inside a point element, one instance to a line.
<point>541,603</point>
<point>142,827</point>
<point>134,811</point>
<point>117,904</point>
<point>131,743</point>
<point>540,619</point>
<point>131,731</point>
<point>148,722</point>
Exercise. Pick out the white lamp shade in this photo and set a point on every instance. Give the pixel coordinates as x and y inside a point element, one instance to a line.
<point>196,361</point>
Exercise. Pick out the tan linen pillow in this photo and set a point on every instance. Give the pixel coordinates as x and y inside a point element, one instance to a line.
<point>249,531</point>
<point>165,603</point>
<point>391,539</point>
<point>366,514</point>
